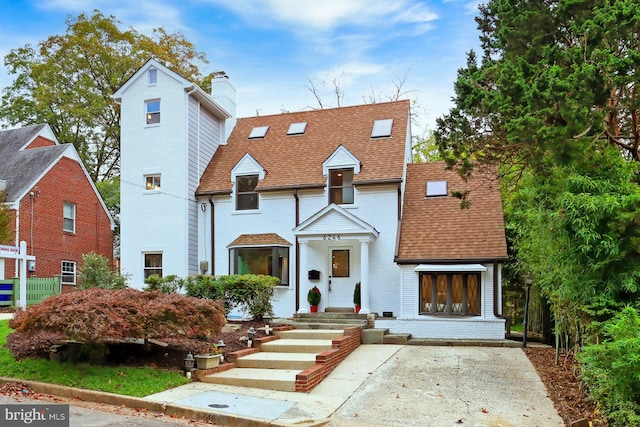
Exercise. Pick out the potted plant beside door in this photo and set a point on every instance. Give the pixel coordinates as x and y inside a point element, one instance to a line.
<point>356,297</point>
<point>314,296</point>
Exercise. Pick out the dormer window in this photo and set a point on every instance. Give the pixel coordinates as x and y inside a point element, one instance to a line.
<point>341,186</point>
<point>246,194</point>
<point>153,76</point>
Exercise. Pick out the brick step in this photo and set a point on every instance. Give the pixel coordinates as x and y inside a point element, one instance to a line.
<point>296,346</point>
<point>269,379</point>
<point>312,334</point>
<point>269,360</point>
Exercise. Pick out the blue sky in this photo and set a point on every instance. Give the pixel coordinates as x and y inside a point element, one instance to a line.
<point>273,49</point>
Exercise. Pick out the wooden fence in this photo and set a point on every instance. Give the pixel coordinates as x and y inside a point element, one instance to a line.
<point>38,289</point>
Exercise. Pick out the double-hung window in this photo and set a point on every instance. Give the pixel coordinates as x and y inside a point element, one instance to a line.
<point>450,293</point>
<point>152,110</point>
<point>69,217</point>
<point>341,186</point>
<point>68,273</point>
<point>152,264</point>
<point>246,194</point>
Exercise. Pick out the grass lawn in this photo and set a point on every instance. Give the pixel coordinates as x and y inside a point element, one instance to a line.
<point>138,382</point>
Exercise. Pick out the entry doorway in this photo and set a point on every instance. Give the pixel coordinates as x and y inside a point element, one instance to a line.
<point>341,280</point>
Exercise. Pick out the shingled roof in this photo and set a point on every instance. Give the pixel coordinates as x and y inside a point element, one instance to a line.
<point>295,161</point>
<point>437,230</point>
<point>19,167</point>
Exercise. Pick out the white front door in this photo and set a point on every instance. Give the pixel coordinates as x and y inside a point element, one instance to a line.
<point>341,280</point>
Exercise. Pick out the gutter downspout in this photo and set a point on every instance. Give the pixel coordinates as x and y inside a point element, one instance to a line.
<point>213,233</point>
<point>297,210</point>
<point>496,312</point>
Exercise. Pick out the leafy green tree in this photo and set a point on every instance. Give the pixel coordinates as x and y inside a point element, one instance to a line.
<point>552,73</point>
<point>97,273</point>
<point>67,81</point>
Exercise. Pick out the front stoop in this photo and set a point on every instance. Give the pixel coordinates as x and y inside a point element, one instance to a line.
<point>293,360</point>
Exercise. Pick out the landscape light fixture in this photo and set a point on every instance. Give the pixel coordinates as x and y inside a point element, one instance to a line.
<point>189,364</point>
<point>251,333</point>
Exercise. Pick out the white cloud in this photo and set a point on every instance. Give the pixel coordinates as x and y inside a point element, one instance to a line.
<point>327,15</point>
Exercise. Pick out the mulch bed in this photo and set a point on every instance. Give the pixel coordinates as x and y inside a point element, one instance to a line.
<point>563,385</point>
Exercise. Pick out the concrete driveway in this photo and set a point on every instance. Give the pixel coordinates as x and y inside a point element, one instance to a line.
<point>451,386</point>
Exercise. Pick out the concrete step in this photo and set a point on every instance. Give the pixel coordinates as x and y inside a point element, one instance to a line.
<point>325,325</point>
<point>311,334</point>
<point>268,360</point>
<point>296,346</point>
<point>269,379</point>
<point>373,335</point>
<point>401,339</point>
<point>341,316</point>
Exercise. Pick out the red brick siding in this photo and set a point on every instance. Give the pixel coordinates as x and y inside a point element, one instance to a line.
<point>65,182</point>
<point>41,141</point>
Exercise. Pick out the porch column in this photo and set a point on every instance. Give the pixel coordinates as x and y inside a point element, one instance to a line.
<point>364,277</point>
<point>303,284</point>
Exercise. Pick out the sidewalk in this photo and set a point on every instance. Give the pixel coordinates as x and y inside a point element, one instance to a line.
<point>391,385</point>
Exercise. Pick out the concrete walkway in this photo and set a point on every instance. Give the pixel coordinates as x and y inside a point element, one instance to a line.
<point>392,385</point>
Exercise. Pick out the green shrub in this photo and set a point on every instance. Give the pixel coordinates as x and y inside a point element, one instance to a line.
<point>96,272</point>
<point>611,369</point>
<point>166,284</point>
<point>250,293</point>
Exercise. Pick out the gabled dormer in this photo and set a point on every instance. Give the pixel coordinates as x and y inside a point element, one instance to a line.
<point>245,176</point>
<point>340,168</point>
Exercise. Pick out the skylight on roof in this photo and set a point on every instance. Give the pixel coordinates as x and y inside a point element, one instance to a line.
<point>258,132</point>
<point>382,128</point>
<point>436,188</point>
<point>297,128</point>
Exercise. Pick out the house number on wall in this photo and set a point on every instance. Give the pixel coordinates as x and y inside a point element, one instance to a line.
<point>331,237</point>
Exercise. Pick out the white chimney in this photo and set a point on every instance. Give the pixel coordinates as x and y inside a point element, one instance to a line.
<point>223,92</point>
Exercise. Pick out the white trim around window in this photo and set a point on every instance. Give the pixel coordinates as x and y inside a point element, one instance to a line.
<point>69,217</point>
<point>68,272</point>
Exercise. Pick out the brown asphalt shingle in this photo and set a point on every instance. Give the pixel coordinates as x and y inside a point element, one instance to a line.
<point>296,160</point>
<point>435,229</point>
<point>264,239</point>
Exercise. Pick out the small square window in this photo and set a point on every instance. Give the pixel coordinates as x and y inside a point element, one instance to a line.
<point>153,76</point>
<point>297,128</point>
<point>436,188</point>
<point>382,128</point>
<point>68,273</point>
<point>152,182</point>
<point>152,112</point>
<point>69,217</point>
<point>258,132</point>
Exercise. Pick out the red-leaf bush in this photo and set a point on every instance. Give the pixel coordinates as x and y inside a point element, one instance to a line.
<point>99,315</point>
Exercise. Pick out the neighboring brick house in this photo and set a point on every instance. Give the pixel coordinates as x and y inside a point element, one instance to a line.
<point>55,206</point>
<point>325,198</point>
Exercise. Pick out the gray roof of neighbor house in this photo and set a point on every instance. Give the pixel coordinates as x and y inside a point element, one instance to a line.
<point>21,168</point>
<point>294,159</point>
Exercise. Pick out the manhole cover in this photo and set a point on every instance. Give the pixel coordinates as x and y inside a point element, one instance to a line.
<point>218,405</point>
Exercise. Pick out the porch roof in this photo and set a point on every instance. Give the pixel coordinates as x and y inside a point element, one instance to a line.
<point>264,239</point>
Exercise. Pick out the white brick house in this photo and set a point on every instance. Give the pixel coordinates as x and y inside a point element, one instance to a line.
<point>315,198</point>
